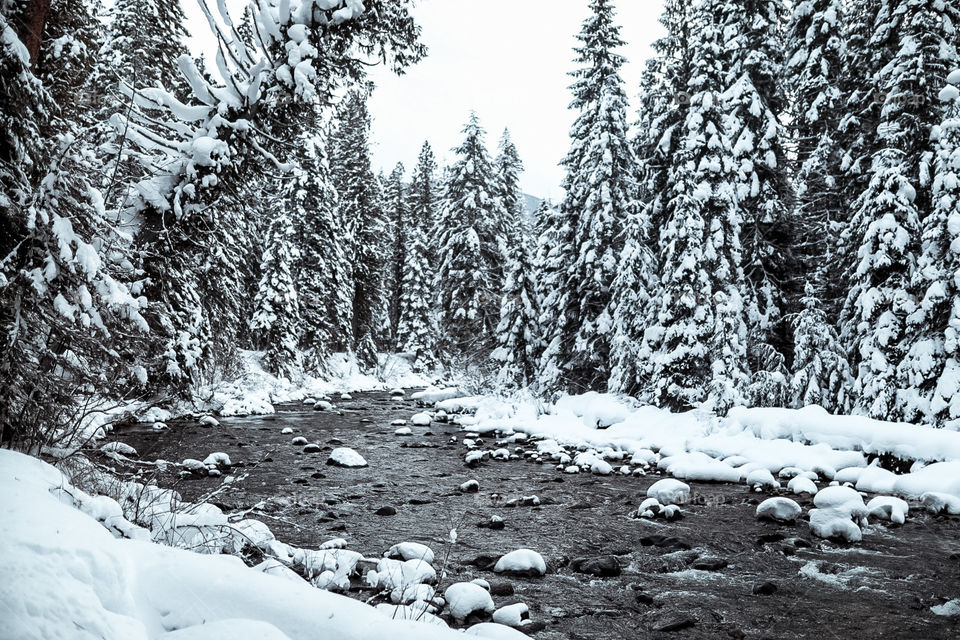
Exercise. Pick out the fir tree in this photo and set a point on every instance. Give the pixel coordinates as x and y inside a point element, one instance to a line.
<point>417,329</point>
<point>395,201</point>
<point>146,39</point>
<point>518,334</point>
<point>513,225</point>
<point>470,247</point>
<point>699,340</point>
<point>276,317</point>
<point>600,195</point>
<point>821,373</point>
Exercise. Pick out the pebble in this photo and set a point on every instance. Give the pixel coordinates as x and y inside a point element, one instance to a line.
<point>764,589</point>
<point>602,567</point>
<point>311,448</point>
<point>299,441</point>
<point>709,564</point>
<point>386,511</point>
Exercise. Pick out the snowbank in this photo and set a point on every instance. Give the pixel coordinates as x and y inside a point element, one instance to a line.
<point>75,579</point>
<point>697,445</point>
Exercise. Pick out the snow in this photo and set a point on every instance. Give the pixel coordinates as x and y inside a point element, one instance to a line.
<point>403,431</point>
<point>433,395</point>
<point>422,419</point>
<point>889,508</point>
<point>801,484</point>
<point>512,615</point>
<point>74,574</point>
<point>411,551</point>
<point>119,447</point>
<point>463,598</point>
<point>669,491</point>
<point>762,479</point>
<point>839,514</point>
<point>346,457</point>
<point>521,560</point>
<point>495,631</point>
<point>779,509</point>
<point>951,608</point>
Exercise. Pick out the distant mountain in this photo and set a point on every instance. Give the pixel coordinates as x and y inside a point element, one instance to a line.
<point>531,203</point>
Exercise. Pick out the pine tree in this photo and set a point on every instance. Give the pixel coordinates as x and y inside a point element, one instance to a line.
<point>361,210</point>
<point>895,375</point>
<point>816,51</point>
<point>700,336</point>
<point>513,224</point>
<point>417,329</point>
<point>518,334</point>
<point>470,247</point>
<point>821,373</point>
<point>146,39</point>
<point>322,273</point>
<point>600,190</point>
<point>276,318</point>
<point>395,201</point>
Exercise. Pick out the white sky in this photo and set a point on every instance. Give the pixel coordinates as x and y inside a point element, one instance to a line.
<point>509,62</point>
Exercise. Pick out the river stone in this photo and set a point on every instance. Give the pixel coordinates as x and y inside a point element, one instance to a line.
<point>346,457</point>
<point>602,567</point>
<point>709,564</point>
<point>386,511</point>
<point>676,624</point>
<point>311,448</point>
<point>764,589</point>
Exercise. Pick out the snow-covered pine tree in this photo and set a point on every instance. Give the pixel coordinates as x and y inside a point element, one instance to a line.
<point>469,240</point>
<point>417,329</point>
<point>276,318</point>
<point>146,39</point>
<point>395,203</point>
<point>518,334</point>
<point>754,101</point>
<point>513,225</point>
<point>896,371</point>
<point>939,265</point>
<point>365,224</point>
<point>664,104</point>
<point>322,273</point>
<point>600,188</point>
<point>700,335</point>
<point>821,373</point>
<point>815,53</point>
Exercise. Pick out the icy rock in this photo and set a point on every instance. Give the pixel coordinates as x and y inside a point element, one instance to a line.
<point>346,457</point>
<point>889,508</point>
<point>399,422</point>
<point>512,615</point>
<point>470,486</point>
<point>571,469</point>
<point>951,608</point>
<point>397,393</point>
<point>411,551</point>
<point>403,431</point>
<point>194,466</point>
<point>119,447</point>
<point>840,512</point>
<point>346,396</point>
<point>421,419</point>
<point>525,562</point>
<point>299,441</point>
<point>464,598</point>
<point>495,631</point>
<point>313,447</point>
<point>778,509</point>
<point>759,479</point>
<point>601,468</point>
<point>941,503</point>
<point>801,484</point>
<point>286,431</point>
<point>217,459</point>
<point>669,491</point>
<point>209,421</point>
<point>323,405</point>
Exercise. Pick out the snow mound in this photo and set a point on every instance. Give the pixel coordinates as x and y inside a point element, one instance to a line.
<point>669,491</point>
<point>941,503</point>
<point>495,631</point>
<point>889,508</point>
<point>840,513</point>
<point>403,431</point>
<point>411,551</point>
<point>801,484</point>
<point>464,598</point>
<point>422,419</point>
<point>119,447</point>
<point>346,457</point>
<point>512,615</point>
<point>433,395</point>
<point>522,561</point>
<point>759,479</point>
<point>951,608</point>
<point>778,509</point>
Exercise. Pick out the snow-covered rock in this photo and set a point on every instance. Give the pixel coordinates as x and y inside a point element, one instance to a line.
<point>601,468</point>
<point>299,441</point>
<point>839,514</point>
<point>346,457</point>
<point>403,431</point>
<point>119,447</point>
<point>778,509</point>
<point>495,631</point>
<point>217,459</point>
<point>512,615</point>
<point>433,395</point>
<point>286,431</point>
<point>951,608</point>
<point>669,491</point>
<point>194,466</point>
<point>399,422</point>
<point>209,421</point>
<point>936,502</point>
<point>464,598</point>
<point>411,551</point>
<point>802,484</point>
<point>323,405</point>
<point>397,393</point>
<point>522,561</point>
<point>421,419</point>
<point>760,479</point>
<point>470,486</point>
<point>889,508</point>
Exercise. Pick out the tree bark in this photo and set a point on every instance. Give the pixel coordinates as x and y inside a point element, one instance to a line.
<point>31,24</point>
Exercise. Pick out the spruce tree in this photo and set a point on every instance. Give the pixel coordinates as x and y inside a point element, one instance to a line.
<point>417,328</point>
<point>395,201</point>
<point>146,39</point>
<point>322,272</point>
<point>469,241</point>
<point>821,373</point>
<point>276,319</point>
<point>513,224</point>
<point>518,334</point>
<point>600,188</point>
<point>699,339</point>
<point>361,209</point>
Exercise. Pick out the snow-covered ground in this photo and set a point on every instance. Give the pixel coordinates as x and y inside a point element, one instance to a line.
<point>779,443</point>
<point>73,566</point>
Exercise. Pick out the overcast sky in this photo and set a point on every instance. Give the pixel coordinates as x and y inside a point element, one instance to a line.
<point>509,62</point>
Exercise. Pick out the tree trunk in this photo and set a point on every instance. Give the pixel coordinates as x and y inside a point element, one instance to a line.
<point>31,23</point>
